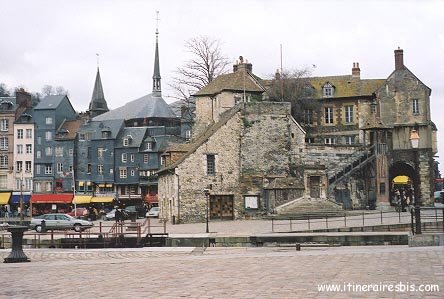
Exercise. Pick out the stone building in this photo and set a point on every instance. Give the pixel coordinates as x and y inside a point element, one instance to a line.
<point>249,157</point>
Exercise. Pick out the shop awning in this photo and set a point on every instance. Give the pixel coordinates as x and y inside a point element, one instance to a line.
<point>15,199</point>
<point>4,198</point>
<point>401,179</point>
<point>51,198</point>
<point>102,199</point>
<point>81,199</point>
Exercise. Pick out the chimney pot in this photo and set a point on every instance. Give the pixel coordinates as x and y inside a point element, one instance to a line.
<point>356,71</point>
<point>399,59</point>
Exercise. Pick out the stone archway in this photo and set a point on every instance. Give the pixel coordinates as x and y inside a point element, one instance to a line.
<point>401,168</point>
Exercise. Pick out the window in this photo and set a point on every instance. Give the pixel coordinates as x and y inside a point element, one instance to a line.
<point>48,135</point>
<point>81,136</point>
<point>124,157</point>
<point>38,169</point>
<point>29,148</point>
<point>328,90</point>
<point>125,142</point>
<point>19,148</point>
<point>4,125</point>
<point>28,184</point>
<point>146,158</point>
<point>39,154</point>
<point>59,167</point>
<point>211,164</point>
<point>48,169</point>
<point>49,120</point>
<point>39,140</point>
<point>100,169</point>
<point>328,115</point>
<point>19,166</point>
<point>48,186</point>
<point>149,146</point>
<point>132,172</point>
<point>132,157</point>
<point>188,134</point>
<point>71,152</point>
<point>89,168</point>
<point>349,140</point>
<point>4,143</point>
<point>59,151</point>
<point>28,133</point>
<point>3,161</point>
<point>19,133</point>
<point>309,140</point>
<point>28,166</point>
<point>329,140</point>
<point>18,184</point>
<point>3,181</point>
<point>348,114</point>
<point>48,151</point>
<point>251,202</point>
<point>38,187</point>
<point>308,116</point>
<point>123,173</point>
<point>100,152</point>
<point>415,106</point>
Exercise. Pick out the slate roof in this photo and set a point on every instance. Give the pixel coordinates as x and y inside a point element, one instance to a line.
<point>237,81</point>
<point>144,107</point>
<point>96,128</point>
<point>98,102</point>
<point>346,86</point>
<point>26,117</point>
<point>50,102</point>
<point>137,136</point>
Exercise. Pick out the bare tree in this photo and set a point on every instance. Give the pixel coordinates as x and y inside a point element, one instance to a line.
<point>48,90</point>
<point>294,87</point>
<point>4,92</point>
<point>206,63</point>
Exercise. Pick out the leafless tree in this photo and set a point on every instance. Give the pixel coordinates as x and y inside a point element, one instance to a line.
<point>48,90</point>
<point>4,92</point>
<point>206,63</point>
<point>294,87</point>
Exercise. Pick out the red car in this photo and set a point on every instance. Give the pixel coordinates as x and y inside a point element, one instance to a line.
<point>78,212</point>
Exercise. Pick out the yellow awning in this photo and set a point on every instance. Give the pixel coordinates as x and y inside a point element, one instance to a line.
<point>401,179</point>
<point>102,185</point>
<point>81,199</point>
<point>88,183</point>
<point>109,185</point>
<point>102,199</point>
<point>81,184</point>
<point>4,198</point>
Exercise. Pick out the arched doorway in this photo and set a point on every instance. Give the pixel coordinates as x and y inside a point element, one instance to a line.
<point>401,180</point>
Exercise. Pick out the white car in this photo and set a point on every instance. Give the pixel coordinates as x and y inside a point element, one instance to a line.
<point>153,212</point>
<point>58,221</point>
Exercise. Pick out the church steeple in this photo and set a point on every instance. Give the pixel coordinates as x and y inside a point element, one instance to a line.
<point>98,103</point>
<point>156,76</point>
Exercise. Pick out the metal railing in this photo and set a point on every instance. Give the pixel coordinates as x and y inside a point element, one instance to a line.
<point>432,220</point>
<point>334,220</point>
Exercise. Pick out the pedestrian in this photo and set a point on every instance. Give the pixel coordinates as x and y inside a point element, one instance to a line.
<point>118,215</point>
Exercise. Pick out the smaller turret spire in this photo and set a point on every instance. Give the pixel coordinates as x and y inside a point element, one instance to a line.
<point>98,103</point>
<point>156,76</point>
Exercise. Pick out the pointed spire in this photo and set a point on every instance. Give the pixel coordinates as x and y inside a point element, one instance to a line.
<point>98,103</point>
<point>156,76</point>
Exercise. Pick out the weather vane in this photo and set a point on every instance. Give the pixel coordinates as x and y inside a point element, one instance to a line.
<point>97,54</point>
<point>157,22</point>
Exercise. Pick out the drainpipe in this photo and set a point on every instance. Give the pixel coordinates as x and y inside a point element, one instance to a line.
<point>178,198</point>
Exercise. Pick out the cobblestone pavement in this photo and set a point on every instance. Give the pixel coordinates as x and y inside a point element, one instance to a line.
<point>221,272</point>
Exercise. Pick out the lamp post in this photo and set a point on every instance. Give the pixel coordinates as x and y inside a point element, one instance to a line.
<point>21,200</point>
<point>207,197</point>
<point>414,140</point>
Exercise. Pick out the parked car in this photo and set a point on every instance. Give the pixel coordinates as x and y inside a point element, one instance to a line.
<point>153,212</point>
<point>78,212</point>
<point>439,196</point>
<point>58,221</point>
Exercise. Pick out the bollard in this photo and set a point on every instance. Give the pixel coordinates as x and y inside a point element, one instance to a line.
<point>298,247</point>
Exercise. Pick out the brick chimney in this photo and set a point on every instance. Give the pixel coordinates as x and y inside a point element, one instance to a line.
<point>356,71</point>
<point>399,59</point>
<point>240,64</point>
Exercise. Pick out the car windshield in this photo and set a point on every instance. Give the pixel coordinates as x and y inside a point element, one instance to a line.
<point>155,209</point>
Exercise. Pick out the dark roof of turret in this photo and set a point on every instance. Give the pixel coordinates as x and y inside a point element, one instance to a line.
<point>98,102</point>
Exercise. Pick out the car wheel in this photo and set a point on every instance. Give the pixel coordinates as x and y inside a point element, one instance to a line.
<point>77,228</point>
<point>38,228</point>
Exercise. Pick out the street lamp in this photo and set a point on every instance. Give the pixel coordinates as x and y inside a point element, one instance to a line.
<point>414,140</point>
<point>207,197</point>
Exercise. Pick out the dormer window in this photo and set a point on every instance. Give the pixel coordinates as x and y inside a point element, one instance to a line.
<point>328,90</point>
<point>149,146</point>
<point>125,141</point>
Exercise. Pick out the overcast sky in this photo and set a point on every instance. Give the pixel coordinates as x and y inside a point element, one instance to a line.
<point>55,42</point>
